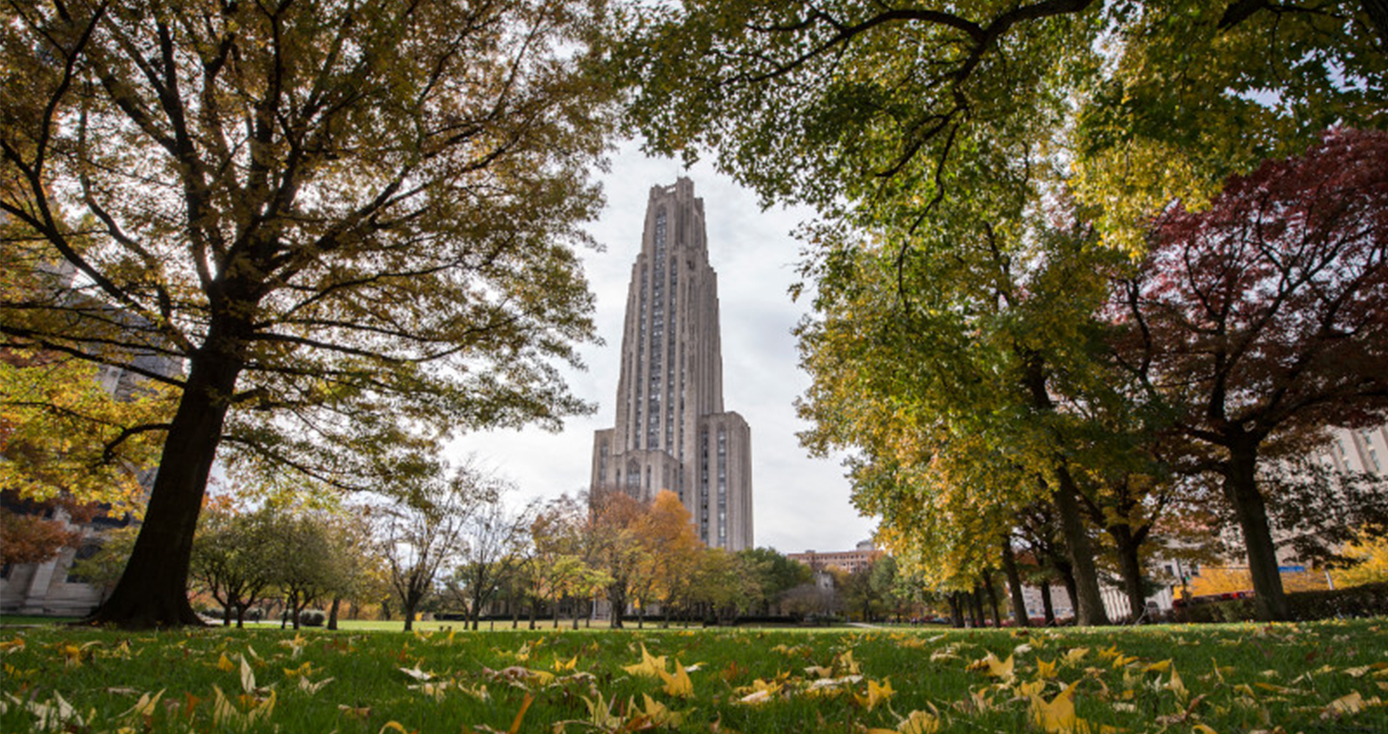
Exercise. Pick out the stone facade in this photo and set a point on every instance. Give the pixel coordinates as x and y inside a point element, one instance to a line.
<point>671,430</point>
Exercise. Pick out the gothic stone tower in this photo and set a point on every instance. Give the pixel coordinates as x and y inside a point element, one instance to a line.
<point>672,432</point>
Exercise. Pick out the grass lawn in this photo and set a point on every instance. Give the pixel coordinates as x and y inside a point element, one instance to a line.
<point>1309,677</point>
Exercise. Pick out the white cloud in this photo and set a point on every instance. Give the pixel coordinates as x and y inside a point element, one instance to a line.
<point>799,502</point>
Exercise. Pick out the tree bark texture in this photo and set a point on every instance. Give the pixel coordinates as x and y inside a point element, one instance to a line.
<point>153,590</point>
<point>1241,489</point>
<point>1130,565</point>
<point>1089,605</point>
<point>992,593</point>
<point>1014,584</point>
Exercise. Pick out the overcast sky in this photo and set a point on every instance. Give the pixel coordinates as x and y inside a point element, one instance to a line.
<point>799,503</point>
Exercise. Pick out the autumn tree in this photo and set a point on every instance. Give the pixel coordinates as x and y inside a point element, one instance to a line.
<point>494,536</point>
<point>353,223</point>
<point>1366,560</point>
<point>672,550</point>
<point>935,143</point>
<point>1265,318</point>
<point>612,542</point>
<point>423,533</point>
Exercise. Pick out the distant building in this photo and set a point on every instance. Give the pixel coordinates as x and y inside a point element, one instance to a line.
<point>860,558</point>
<point>1361,450</point>
<point>672,431</point>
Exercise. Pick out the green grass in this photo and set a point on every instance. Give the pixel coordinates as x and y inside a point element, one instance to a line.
<point>1233,678</point>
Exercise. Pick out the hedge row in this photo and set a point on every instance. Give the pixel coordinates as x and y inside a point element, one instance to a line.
<point>1369,600</point>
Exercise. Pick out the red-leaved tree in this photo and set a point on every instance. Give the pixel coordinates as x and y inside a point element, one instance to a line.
<point>1265,318</point>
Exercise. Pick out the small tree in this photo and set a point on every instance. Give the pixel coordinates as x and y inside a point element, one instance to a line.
<point>104,568</point>
<point>425,531</point>
<point>234,557</point>
<point>311,559</point>
<point>612,543</point>
<point>493,552</point>
<point>774,573</point>
<point>672,550</point>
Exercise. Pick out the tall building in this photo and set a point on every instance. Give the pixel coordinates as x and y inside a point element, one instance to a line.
<point>671,429</point>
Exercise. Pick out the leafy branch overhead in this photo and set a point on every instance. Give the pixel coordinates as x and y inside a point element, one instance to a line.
<point>354,224</point>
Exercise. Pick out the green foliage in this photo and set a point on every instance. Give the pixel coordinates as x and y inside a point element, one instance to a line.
<point>104,568</point>
<point>774,574</point>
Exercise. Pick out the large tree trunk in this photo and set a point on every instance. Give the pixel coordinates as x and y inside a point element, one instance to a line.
<point>992,595</point>
<point>332,612</point>
<point>1130,565</point>
<point>153,590</point>
<point>1241,489</point>
<point>617,597</point>
<point>475,613</point>
<point>976,607</point>
<point>1089,605</point>
<point>1047,606</point>
<point>956,611</point>
<point>1067,579</point>
<point>1014,584</point>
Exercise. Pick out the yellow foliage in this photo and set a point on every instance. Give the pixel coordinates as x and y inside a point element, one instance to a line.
<point>996,668</point>
<point>678,684</point>
<point>1371,554</point>
<point>876,693</point>
<point>918,722</point>
<point>658,714</point>
<point>650,665</point>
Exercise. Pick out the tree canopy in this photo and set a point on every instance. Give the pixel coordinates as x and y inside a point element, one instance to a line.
<point>981,170</point>
<point>354,224</point>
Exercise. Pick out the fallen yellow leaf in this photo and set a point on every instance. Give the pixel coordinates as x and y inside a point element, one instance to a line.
<point>650,665</point>
<point>658,714</point>
<point>679,684</point>
<point>1176,686</point>
<point>1350,703</point>
<point>996,668</point>
<point>918,722</point>
<point>876,693</point>
<point>520,715</point>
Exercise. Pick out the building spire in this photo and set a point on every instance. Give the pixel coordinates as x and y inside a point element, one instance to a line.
<point>671,430</point>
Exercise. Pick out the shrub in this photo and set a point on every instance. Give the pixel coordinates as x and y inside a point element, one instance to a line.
<point>1369,600</point>
<point>313,617</point>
